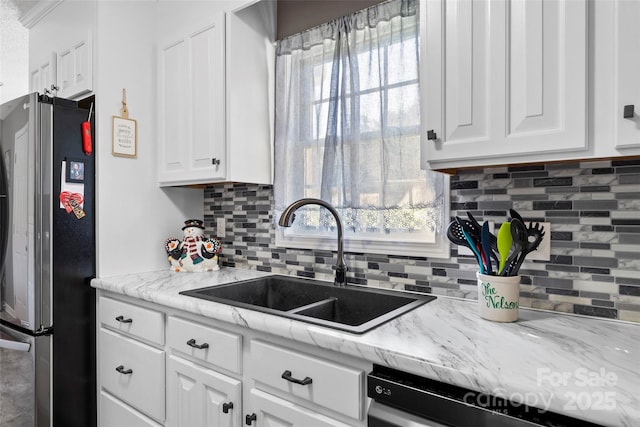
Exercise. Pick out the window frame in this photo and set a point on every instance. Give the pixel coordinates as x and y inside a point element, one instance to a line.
<point>369,243</point>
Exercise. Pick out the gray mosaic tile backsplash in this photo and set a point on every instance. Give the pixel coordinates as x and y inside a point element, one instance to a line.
<point>593,208</point>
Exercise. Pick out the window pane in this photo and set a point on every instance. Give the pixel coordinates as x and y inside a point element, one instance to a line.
<point>403,61</point>
<point>370,106</point>
<point>369,71</point>
<point>319,120</point>
<point>404,105</point>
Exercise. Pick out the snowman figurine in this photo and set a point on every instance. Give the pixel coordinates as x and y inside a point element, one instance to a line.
<point>196,252</point>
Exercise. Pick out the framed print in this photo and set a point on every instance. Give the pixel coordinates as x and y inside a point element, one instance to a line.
<point>124,137</point>
<point>75,170</point>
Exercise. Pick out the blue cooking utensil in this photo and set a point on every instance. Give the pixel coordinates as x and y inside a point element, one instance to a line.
<point>473,244</point>
<point>485,238</point>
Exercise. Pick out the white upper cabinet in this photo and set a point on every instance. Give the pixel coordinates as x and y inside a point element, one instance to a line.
<point>43,76</point>
<point>67,72</point>
<point>191,106</point>
<point>626,77</point>
<point>502,79</point>
<point>75,69</point>
<point>215,107</point>
<point>250,107</point>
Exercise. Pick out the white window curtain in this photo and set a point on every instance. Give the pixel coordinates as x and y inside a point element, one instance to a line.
<point>348,127</point>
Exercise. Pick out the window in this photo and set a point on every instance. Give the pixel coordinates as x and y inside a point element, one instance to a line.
<point>348,132</point>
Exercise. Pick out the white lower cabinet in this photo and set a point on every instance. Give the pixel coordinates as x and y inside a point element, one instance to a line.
<point>309,378</point>
<point>197,396</point>
<point>114,413</point>
<point>205,344</point>
<point>271,411</point>
<point>133,372</point>
<point>199,372</point>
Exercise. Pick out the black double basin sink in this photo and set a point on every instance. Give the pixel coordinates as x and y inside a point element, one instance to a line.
<point>351,308</point>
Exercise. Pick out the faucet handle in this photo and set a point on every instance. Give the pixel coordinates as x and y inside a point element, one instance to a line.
<point>341,276</point>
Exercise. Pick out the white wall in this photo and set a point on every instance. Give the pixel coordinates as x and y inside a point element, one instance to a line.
<point>134,216</point>
<point>14,42</point>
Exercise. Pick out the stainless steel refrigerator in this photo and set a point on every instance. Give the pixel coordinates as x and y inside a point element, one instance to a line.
<point>47,254</point>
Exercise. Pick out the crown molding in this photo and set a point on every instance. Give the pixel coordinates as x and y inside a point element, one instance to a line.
<point>37,12</point>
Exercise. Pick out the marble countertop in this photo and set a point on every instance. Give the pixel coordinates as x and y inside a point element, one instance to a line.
<point>587,368</point>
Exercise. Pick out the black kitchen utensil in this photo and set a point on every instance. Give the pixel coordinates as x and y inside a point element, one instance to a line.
<point>515,215</point>
<point>493,238</point>
<point>476,225</point>
<point>455,234</point>
<point>535,234</point>
<point>520,240</point>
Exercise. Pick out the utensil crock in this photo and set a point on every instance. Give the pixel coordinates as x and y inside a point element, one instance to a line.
<point>498,297</point>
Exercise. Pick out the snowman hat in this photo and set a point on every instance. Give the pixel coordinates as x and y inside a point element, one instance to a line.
<point>193,223</point>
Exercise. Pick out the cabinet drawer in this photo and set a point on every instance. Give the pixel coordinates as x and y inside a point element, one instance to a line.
<point>272,411</point>
<point>134,320</point>
<point>114,413</point>
<point>331,385</point>
<point>141,382</point>
<point>220,348</point>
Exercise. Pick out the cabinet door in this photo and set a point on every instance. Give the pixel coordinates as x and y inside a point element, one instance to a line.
<point>197,396</point>
<point>191,107</point>
<point>206,76</point>
<point>627,17</point>
<point>503,79</point>
<point>35,81</point>
<point>271,411</point>
<point>546,67</point>
<point>250,62</point>
<point>172,108</point>
<point>459,79</point>
<point>75,69</point>
<point>44,76</point>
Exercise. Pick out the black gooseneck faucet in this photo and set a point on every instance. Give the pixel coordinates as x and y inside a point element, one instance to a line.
<point>286,220</point>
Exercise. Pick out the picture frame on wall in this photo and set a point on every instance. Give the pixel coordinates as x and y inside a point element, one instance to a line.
<point>124,137</point>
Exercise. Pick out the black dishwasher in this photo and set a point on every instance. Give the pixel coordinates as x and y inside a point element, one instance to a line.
<point>406,400</point>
